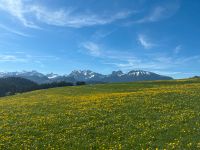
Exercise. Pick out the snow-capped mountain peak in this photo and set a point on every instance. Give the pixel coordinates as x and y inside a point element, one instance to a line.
<point>52,76</point>
<point>138,73</point>
<point>31,73</point>
<point>87,76</point>
<point>117,73</point>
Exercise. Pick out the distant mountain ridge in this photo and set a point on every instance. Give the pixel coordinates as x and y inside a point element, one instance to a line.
<point>87,76</point>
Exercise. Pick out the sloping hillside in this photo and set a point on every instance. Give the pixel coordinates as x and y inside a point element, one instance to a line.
<point>141,115</point>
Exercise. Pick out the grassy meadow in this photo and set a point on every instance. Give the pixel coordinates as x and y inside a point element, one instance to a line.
<point>141,115</point>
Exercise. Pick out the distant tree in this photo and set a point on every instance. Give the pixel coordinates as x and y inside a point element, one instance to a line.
<point>12,85</point>
<point>196,77</point>
<point>80,83</point>
<point>55,84</point>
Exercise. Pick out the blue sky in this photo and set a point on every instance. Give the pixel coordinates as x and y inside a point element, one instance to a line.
<point>61,36</point>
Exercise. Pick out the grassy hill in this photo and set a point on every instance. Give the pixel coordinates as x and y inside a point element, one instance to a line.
<point>141,115</point>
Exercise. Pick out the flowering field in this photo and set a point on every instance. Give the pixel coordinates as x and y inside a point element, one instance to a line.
<point>142,115</point>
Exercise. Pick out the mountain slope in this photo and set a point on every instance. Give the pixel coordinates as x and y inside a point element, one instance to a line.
<point>38,77</point>
<point>86,75</point>
<point>117,76</point>
<point>135,75</point>
<point>30,75</point>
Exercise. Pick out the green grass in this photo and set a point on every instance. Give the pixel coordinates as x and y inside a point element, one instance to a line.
<point>140,115</point>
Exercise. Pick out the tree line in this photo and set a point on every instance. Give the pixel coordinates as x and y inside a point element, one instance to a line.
<point>13,85</point>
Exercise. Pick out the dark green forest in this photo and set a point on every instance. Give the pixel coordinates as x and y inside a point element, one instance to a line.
<point>13,85</point>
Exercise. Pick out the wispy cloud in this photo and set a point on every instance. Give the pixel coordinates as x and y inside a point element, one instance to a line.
<point>10,58</point>
<point>127,60</point>
<point>92,48</point>
<point>159,12</point>
<point>14,31</point>
<point>67,18</point>
<point>156,62</point>
<point>177,49</point>
<point>97,50</point>
<point>103,33</point>
<point>41,57</point>
<point>137,63</point>
<point>17,9</point>
<point>145,42</point>
<point>39,63</point>
<point>60,17</point>
<point>23,57</point>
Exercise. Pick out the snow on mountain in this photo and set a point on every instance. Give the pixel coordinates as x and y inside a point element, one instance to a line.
<point>85,75</point>
<point>52,76</point>
<point>23,73</point>
<point>138,73</point>
<point>31,73</point>
<point>117,73</point>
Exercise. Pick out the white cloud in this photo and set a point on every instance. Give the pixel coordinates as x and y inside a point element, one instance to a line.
<point>14,31</point>
<point>67,18</point>
<point>17,9</point>
<point>160,12</point>
<point>145,42</point>
<point>60,17</point>
<point>92,48</point>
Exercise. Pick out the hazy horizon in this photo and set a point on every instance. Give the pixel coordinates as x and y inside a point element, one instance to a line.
<point>102,36</point>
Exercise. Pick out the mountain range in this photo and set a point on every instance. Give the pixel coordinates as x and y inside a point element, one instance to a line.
<point>87,76</point>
